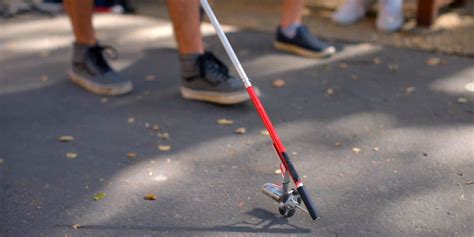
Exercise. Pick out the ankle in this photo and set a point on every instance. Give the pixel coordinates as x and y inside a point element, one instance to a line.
<point>290,30</point>
<point>189,65</point>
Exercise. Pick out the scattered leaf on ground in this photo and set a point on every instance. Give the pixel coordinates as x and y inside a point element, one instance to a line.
<point>277,171</point>
<point>150,78</point>
<point>469,182</point>
<point>393,67</point>
<point>240,130</point>
<point>356,150</point>
<point>462,100</point>
<point>44,78</point>
<point>131,120</point>
<point>164,135</point>
<point>338,144</point>
<point>409,90</point>
<point>241,204</point>
<point>433,61</point>
<point>330,91</point>
<point>66,138</point>
<point>147,125</point>
<point>224,121</point>
<point>377,60</point>
<point>264,132</point>
<point>164,147</point>
<point>99,196</point>
<point>104,100</point>
<point>376,149</point>
<point>150,197</point>
<point>77,226</point>
<point>343,65</point>
<point>2,161</point>
<point>131,155</point>
<point>71,155</point>
<point>354,77</point>
<point>278,83</point>
<point>469,86</point>
<point>156,127</point>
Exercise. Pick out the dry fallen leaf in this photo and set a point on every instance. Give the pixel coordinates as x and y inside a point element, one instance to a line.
<point>338,144</point>
<point>240,130</point>
<point>150,78</point>
<point>393,67</point>
<point>377,60</point>
<point>277,171</point>
<point>131,155</point>
<point>343,65</point>
<point>99,196</point>
<point>156,127</point>
<point>354,77</point>
<point>278,83</point>
<point>356,150</point>
<point>71,155</point>
<point>224,121</point>
<point>409,90</point>
<point>150,197</point>
<point>375,148</point>
<point>462,100</point>
<point>164,135</point>
<point>164,147</point>
<point>77,226</point>
<point>44,78</point>
<point>241,204</point>
<point>469,182</point>
<point>433,61</point>
<point>131,120</point>
<point>329,91</point>
<point>1,161</point>
<point>66,138</point>
<point>264,132</point>
<point>469,86</point>
<point>104,100</point>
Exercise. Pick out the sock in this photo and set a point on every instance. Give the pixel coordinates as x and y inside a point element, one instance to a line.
<point>290,31</point>
<point>188,64</point>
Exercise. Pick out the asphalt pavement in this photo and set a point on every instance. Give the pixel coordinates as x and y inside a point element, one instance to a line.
<point>383,138</point>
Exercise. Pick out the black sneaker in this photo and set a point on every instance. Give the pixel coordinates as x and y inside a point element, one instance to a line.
<point>91,71</point>
<point>206,78</point>
<point>303,43</point>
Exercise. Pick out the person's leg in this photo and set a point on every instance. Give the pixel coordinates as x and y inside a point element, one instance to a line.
<point>294,37</point>
<point>90,69</point>
<point>390,16</point>
<point>187,25</point>
<point>80,14</point>
<point>204,76</point>
<point>292,12</point>
<point>352,11</point>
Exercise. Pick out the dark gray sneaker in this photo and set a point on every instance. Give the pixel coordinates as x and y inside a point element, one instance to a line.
<point>206,78</point>
<point>303,43</point>
<point>91,71</point>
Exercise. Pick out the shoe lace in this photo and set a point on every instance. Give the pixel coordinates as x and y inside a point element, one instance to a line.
<point>100,52</point>
<point>208,63</point>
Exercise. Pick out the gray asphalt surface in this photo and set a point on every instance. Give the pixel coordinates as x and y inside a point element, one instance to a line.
<point>416,183</point>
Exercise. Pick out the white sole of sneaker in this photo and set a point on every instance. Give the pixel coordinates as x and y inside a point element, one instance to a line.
<point>304,52</point>
<point>225,98</point>
<point>98,89</point>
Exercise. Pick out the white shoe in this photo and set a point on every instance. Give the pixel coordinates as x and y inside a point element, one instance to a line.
<point>352,11</point>
<point>390,16</point>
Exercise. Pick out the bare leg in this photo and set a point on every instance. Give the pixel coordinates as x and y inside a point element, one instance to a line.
<point>292,12</point>
<point>187,25</point>
<point>80,13</point>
